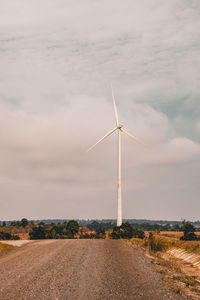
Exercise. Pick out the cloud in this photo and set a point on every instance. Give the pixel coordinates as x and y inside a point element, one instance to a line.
<point>57,63</point>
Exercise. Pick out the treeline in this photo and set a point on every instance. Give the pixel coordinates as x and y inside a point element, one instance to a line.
<point>146,225</point>
<point>158,227</point>
<point>143,226</point>
<point>23,223</point>
<point>93,230</point>
<point>72,230</point>
<point>8,236</point>
<point>67,230</point>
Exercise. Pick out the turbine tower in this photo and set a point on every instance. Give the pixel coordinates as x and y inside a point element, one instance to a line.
<point>120,130</point>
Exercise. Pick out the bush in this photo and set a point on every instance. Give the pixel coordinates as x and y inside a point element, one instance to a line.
<point>188,232</point>
<point>157,243</point>
<point>138,233</point>
<point>8,236</point>
<point>87,236</point>
<point>72,228</point>
<point>15,237</point>
<point>100,233</point>
<point>190,236</point>
<point>126,231</point>
<point>37,233</point>
<point>116,233</point>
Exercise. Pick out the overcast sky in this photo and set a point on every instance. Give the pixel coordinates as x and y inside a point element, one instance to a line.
<point>57,60</point>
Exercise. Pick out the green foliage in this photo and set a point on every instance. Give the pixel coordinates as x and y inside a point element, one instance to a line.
<point>188,232</point>
<point>59,231</point>
<point>126,231</point>
<point>138,233</point>
<point>104,225</point>
<point>88,236</point>
<point>116,233</point>
<point>5,236</point>
<point>8,236</point>
<point>37,233</point>
<point>15,223</point>
<point>41,223</point>
<point>100,233</point>
<point>72,228</point>
<point>24,222</point>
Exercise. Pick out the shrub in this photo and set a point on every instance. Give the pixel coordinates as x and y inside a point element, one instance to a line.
<point>138,233</point>
<point>188,232</point>
<point>8,236</point>
<point>37,233</point>
<point>72,228</point>
<point>157,243</point>
<point>126,231</point>
<point>100,233</point>
<point>116,233</point>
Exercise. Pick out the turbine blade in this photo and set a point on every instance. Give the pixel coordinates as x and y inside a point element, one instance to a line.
<point>133,137</point>
<point>105,136</point>
<point>115,107</point>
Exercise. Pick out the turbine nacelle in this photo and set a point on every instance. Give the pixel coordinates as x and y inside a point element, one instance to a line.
<point>118,127</point>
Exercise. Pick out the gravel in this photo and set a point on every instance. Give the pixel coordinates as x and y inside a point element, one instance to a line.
<point>80,269</point>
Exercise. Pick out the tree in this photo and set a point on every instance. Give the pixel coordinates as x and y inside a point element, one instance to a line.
<point>41,223</point>
<point>100,233</point>
<point>126,231</point>
<point>15,223</point>
<point>72,228</point>
<point>94,225</point>
<point>116,233</point>
<point>138,233</point>
<point>37,233</point>
<point>188,232</point>
<point>24,222</point>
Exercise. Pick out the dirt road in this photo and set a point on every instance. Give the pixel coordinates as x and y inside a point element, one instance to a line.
<point>79,269</point>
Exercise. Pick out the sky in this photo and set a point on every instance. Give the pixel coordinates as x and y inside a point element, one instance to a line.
<point>57,61</point>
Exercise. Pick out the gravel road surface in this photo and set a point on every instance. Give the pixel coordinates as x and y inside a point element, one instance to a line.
<point>80,269</point>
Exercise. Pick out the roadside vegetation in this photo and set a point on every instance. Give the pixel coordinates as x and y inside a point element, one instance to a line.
<point>4,248</point>
<point>185,237</point>
<point>126,231</point>
<point>182,278</point>
<point>158,241</point>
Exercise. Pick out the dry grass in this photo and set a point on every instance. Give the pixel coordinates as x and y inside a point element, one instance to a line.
<point>176,288</point>
<point>173,241</point>
<point>171,234</point>
<point>172,274</point>
<point>163,243</point>
<point>4,248</point>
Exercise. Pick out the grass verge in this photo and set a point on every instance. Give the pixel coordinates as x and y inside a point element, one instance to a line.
<point>4,248</point>
<point>161,243</point>
<point>172,274</point>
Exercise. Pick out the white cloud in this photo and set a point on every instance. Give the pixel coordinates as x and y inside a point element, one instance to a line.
<point>57,62</point>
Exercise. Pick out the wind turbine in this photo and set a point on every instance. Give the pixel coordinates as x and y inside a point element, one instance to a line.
<point>120,130</point>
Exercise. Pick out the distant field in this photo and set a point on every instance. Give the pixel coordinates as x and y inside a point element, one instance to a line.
<point>171,234</point>
<point>171,239</point>
<point>174,234</point>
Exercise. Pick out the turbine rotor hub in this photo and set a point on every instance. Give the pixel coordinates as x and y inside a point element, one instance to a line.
<point>120,126</point>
